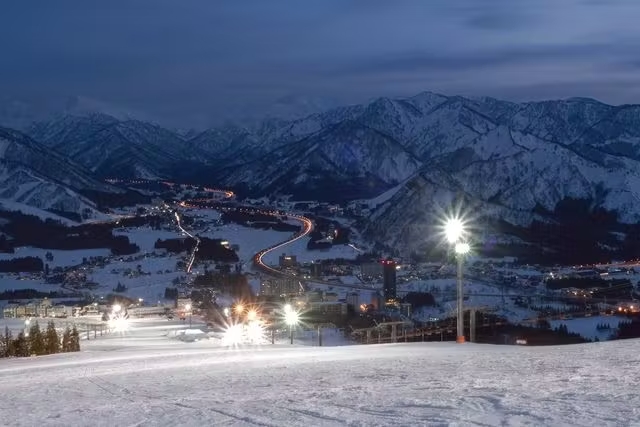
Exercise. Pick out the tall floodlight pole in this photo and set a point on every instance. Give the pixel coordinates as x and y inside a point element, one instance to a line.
<point>291,318</point>
<point>454,230</point>
<point>27,322</point>
<point>461,250</point>
<point>188,308</point>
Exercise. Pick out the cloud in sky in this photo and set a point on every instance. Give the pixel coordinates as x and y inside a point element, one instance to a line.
<point>199,58</point>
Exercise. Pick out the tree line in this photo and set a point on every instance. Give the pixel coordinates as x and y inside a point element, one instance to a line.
<point>38,342</point>
<point>30,230</point>
<point>233,284</point>
<point>208,250</point>
<point>577,231</point>
<point>16,294</point>
<point>28,264</point>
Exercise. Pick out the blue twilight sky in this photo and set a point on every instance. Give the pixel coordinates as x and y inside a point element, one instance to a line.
<point>193,61</point>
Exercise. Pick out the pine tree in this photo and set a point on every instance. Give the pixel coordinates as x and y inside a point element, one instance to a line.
<point>52,341</point>
<point>75,340</point>
<point>36,340</point>
<point>66,340</point>
<point>6,346</point>
<point>21,346</point>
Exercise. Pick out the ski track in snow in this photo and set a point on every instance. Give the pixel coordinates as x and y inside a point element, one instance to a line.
<point>376,385</point>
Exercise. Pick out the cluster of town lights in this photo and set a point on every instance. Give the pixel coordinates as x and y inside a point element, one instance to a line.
<point>251,329</point>
<point>237,333</point>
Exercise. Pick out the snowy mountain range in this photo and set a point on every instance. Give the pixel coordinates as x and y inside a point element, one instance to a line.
<point>513,156</point>
<point>36,176</point>
<point>507,161</point>
<point>110,147</point>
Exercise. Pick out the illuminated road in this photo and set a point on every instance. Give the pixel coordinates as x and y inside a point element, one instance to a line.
<point>307,227</point>
<point>192,257</point>
<point>258,258</point>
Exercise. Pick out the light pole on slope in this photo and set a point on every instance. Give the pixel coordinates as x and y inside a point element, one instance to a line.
<point>454,230</point>
<point>188,308</point>
<point>292,318</point>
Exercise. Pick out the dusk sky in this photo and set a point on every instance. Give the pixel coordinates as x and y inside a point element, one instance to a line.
<point>194,61</point>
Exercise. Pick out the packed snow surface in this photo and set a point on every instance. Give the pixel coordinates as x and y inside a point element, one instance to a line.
<point>202,383</point>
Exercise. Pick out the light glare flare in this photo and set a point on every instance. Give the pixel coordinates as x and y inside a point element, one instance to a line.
<point>256,333</point>
<point>233,335</point>
<point>454,229</point>
<point>462,248</point>
<point>292,317</point>
<point>119,323</point>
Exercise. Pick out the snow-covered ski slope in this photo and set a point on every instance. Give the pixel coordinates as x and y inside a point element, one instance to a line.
<point>439,384</point>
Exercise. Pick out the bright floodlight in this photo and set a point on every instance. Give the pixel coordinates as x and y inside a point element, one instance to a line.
<point>462,248</point>
<point>453,229</point>
<point>118,323</point>
<point>233,335</point>
<point>226,311</point>
<point>287,308</point>
<point>187,307</point>
<point>239,308</point>
<point>291,317</point>
<point>255,332</point>
<point>116,308</point>
<point>252,315</point>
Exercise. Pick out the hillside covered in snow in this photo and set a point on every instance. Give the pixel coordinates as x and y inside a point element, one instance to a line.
<point>37,177</point>
<point>164,382</point>
<point>508,163</point>
<point>510,158</point>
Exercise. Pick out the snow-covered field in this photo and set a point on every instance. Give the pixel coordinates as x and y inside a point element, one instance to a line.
<point>159,273</point>
<point>299,249</point>
<point>167,383</point>
<point>250,240</point>
<point>60,258</point>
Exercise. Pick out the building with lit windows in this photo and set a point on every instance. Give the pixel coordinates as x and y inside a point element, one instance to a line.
<point>330,308</point>
<point>287,260</point>
<point>281,287</point>
<point>389,279</point>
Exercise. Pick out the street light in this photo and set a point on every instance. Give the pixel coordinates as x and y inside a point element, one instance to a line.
<point>188,308</point>
<point>454,231</point>
<point>292,318</point>
<point>239,308</point>
<point>116,308</point>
